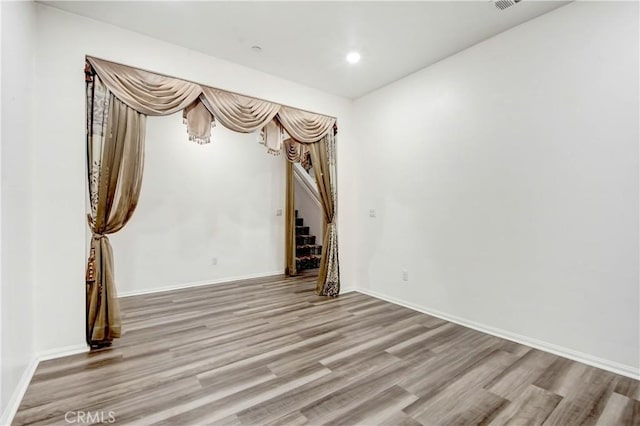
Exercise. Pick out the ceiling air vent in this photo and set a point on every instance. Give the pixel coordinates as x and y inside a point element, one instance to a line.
<point>503,4</point>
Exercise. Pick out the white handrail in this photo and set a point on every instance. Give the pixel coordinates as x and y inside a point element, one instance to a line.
<point>307,182</point>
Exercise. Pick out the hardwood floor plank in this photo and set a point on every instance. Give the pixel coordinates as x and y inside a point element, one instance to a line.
<point>531,407</point>
<point>397,419</point>
<point>340,402</point>
<point>439,371</point>
<point>211,408</point>
<point>481,410</point>
<point>292,419</point>
<point>585,399</point>
<point>620,410</point>
<point>628,387</point>
<point>381,406</point>
<point>464,396</point>
<point>514,380</point>
<point>268,351</point>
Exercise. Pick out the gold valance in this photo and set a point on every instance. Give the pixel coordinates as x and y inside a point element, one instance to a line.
<point>304,126</point>
<point>236,112</point>
<point>146,92</point>
<point>154,94</point>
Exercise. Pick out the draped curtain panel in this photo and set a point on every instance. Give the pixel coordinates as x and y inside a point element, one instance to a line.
<point>118,100</point>
<point>324,166</point>
<point>290,224</point>
<point>298,153</point>
<point>115,153</point>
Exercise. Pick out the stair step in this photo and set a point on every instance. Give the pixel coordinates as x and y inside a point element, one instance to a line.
<point>305,240</point>
<point>308,253</point>
<point>308,249</point>
<point>302,230</point>
<point>307,262</point>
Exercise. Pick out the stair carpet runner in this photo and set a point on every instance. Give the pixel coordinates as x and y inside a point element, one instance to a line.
<point>307,251</point>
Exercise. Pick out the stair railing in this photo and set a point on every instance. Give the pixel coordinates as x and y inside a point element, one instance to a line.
<point>307,182</point>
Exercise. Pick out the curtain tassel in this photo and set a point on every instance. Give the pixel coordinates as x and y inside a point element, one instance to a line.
<point>91,267</point>
<point>198,140</point>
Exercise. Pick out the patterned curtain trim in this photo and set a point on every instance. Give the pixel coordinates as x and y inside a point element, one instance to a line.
<point>332,282</point>
<point>331,285</point>
<point>98,102</point>
<point>323,156</point>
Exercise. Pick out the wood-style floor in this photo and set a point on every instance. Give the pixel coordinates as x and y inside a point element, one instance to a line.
<point>268,351</point>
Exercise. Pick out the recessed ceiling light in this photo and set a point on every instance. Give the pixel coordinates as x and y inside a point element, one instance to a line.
<point>256,49</point>
<point>353,57</point>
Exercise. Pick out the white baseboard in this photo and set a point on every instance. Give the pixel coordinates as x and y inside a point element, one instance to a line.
<point>605,364</point>
<point>60,352</point>
<point>18,393</point>
<point>343,290</point>
<point>198,284</point>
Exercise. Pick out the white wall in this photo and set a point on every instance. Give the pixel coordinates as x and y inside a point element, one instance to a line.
<point>18,50</point>
<point>199,202</point>
<point>59,180</point>
<point>505,180</point>
<point>521,212</point>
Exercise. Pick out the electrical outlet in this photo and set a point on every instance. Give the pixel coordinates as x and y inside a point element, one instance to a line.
<point>214,261</point>
<point>405,275</point>
<point>372,213</point>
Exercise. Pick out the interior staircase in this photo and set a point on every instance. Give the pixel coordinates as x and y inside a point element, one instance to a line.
<point>307,251</point>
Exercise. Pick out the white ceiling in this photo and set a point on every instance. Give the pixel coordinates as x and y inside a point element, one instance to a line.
<point>307,42</point>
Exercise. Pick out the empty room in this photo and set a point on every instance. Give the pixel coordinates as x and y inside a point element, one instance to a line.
<point>320,213</point>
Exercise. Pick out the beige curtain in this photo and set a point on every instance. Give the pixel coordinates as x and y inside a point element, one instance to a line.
<point>154,94</point>
<point>115,148</point>
<point>238,113</point>
<point>290,223</point>
<point>146,92</point>
<point>118,99</point>
<point>324,166</point>
<point>297,153</point>
<point>304,126</point>
<point>245,115</point>
<point>271,136</point>
<point>199,122</point>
